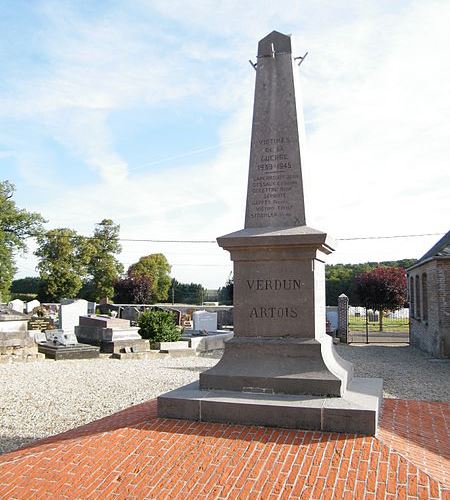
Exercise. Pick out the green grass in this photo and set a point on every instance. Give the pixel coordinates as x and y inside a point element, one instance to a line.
<point>358,324</point>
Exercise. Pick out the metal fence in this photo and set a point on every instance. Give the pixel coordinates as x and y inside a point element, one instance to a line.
<point>365,326</point>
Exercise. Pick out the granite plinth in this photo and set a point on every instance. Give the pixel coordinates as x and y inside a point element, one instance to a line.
<point>111,340</point>
<point>357,411</point>
<point>60,352</point>
<point>101,321</point>
<point>277,365</point>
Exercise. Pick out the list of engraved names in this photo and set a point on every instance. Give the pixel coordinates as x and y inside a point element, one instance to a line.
<point>272,180</point>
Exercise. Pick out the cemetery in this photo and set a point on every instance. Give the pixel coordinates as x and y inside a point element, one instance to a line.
<point>278,395</point>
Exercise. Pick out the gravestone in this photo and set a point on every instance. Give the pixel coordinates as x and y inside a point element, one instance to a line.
<point>32,305</point>
<point>17,305</point>
<point>70,312</point>
<point>204,320</point>
<point>280,369</point>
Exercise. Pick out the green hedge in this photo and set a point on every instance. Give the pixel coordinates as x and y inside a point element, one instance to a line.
<point>158,326</point>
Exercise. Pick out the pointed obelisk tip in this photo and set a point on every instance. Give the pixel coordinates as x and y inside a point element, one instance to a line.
<point>274,41</point>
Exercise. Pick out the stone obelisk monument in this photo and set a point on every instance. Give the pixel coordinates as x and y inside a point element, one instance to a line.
<point>280,369</point>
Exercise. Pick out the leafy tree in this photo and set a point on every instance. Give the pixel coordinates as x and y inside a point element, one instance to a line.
<point>30,285</point>
<point>133,290</point>
<point>226,293</point>
<point>382,289</point>
<point>156,267</point>
<point>158,326</point>
<point>16,225</point>
<point>64,256</point>
<point>186,293</point>
<point>103,267</point>
<point>341,278</point>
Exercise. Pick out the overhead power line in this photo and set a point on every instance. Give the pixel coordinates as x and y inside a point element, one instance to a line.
<point>149,240</point>
<point>388,237</point>
<point>339,239</point>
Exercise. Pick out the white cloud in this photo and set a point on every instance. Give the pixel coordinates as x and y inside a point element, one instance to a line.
<point>376,107</point>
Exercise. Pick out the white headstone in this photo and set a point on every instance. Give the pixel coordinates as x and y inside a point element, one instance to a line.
<point>204,320</point>
<point>31,305</point>
<point>70,312</point>
<point>17,305</point>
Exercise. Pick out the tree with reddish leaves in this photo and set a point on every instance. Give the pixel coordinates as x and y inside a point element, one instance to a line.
<point>133,290</point>
<point>382,289</point>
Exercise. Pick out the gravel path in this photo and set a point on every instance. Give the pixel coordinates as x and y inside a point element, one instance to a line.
<point>45,398</point>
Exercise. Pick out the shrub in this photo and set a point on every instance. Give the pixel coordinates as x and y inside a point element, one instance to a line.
<point>158,326</point>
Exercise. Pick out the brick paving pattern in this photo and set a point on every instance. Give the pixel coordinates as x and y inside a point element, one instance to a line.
<point>133,454</point>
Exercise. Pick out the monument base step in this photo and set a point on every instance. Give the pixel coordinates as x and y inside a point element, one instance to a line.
<point>356,412</point>
<point>60,352</point>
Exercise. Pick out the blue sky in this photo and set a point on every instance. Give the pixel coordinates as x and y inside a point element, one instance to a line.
<point>140,111</point>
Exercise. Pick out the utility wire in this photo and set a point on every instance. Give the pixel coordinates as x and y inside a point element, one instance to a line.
<point>137,240</point>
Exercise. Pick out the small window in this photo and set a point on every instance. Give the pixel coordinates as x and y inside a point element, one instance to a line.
<point>418,315</point>
<point>411,297</point>
<point>424,297</point>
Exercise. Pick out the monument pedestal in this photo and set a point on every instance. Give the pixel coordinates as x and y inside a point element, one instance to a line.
<point>280,369</point>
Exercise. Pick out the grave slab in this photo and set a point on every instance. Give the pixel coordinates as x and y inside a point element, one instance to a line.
<point>61,352</point>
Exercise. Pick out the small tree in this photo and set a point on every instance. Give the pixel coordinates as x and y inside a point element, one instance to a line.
<point>133,290</point>
<point>16,225</point>
<point>382,289</point>
<point>158,326</point>
<point>63,257</point>
<point>155,267</point>
<point>103,266</point>
<point>186,293</point>
<point>226,293</point>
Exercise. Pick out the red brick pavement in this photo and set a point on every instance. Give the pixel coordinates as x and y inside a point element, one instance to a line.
<point>133,454</point>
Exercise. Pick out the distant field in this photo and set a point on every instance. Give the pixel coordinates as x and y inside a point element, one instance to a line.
<point>394,325</point>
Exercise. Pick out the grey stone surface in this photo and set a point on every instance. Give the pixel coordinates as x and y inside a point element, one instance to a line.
<point>275,189</point>
<point>213,341</point>
<point>357,412</point>
<point>62,352</point>
<point>103,321</point>
<point>15,342</point>
<point>280,349</point>
<point>165,346</point>
<point>112,335</point>
<point>204,320</point>
<point>343,317</point>
<point>61,337</point>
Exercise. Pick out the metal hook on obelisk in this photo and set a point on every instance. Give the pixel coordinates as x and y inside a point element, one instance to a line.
<point>253,64</point>
<point>302,58</point>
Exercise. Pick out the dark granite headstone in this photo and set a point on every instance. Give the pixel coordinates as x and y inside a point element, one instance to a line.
<point>280,359</point>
